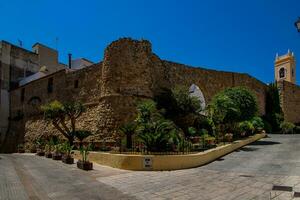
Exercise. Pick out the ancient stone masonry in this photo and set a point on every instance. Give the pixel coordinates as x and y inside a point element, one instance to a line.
<point>130,71</point>
<point>290,96</point>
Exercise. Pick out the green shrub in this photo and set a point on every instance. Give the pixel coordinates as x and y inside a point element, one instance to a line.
<point>177,102</point>
<point>267,126</point>
<point>223,109</point>
<point>155,132</point>
<point>192,131</point>
<point>179,106</point>
<point>257,123</point>
<point>297,130</point>
<point>203,122</point>
<point>287,127</point>
<point>233,105</point>
<point>245,100</point>
<point>246,127</point>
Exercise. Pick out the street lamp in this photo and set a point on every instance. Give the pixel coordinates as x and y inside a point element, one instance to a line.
<point>297,24</point>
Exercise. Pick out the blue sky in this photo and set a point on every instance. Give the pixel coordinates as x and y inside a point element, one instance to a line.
<point>230,35</point>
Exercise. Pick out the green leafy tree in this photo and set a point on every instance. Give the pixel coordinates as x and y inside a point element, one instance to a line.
<point>179,106</point>
<point>245,101</point>
<point>222,111</point>
<point>287,127</point>
<point>60,114</point>
<point>231,106</point>
<point>274,114</point>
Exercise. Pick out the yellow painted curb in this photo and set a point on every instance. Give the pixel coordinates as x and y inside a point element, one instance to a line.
<point>167,162</point>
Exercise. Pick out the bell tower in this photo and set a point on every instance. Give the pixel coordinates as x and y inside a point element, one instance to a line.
<point>285,67</point>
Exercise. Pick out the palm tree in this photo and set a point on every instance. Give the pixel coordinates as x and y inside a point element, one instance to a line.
<point>128,129</point>
<point>157,135</point>
<point>155,132</point>
<point>81,135</point>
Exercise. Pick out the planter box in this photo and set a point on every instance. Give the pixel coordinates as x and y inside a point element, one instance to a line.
<point>56,156</point>
<point>68,159</point>
<point>40,153</point>
<point>48,155</point>
<point>32,150</point>
<point>84,165</point>
<point>166,162</point>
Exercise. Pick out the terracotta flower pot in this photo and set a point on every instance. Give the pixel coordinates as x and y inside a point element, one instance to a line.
<point>84,165</point>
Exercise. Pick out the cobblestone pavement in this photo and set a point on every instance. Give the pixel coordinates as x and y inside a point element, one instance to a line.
<point>249,173</point>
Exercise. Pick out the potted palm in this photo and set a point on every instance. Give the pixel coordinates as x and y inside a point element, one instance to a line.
<point>84,163</point>
<point>48,149</point>
<point>57,155</point>
<point>40,147</point>
<point>67,153</point>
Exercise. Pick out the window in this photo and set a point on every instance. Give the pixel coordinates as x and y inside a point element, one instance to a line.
<point>50,85</point>
<point>76,84</point>
<point>282,73</point>
<point>292,72</point>
<point>22,94</point>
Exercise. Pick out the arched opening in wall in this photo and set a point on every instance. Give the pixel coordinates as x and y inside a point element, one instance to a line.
<point>282,72</point>
<point>195,91</point>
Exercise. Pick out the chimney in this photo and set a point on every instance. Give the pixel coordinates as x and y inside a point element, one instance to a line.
<point>70,60</point>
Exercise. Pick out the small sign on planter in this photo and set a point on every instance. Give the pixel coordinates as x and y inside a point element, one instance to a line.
<point>147,163</point>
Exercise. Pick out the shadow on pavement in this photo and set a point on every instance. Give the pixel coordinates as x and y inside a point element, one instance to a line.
<point>265,143</point>
<point>248,149</point>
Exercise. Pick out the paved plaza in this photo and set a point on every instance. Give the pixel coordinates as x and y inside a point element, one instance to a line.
<point>249,173</point>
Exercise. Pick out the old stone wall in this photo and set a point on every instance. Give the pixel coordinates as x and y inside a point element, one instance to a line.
<point>130,71</point>
<point>290,99</point>
<point>211,82</point>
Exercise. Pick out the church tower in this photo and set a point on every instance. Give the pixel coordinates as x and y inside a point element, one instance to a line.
<point>285,67</point>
